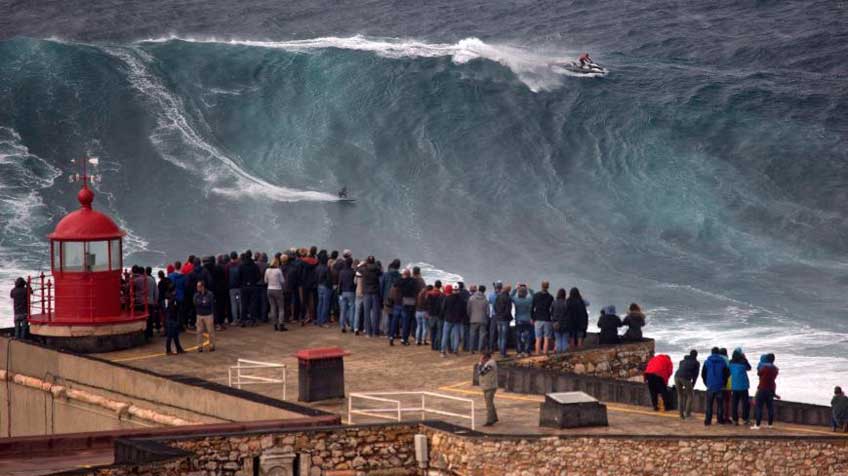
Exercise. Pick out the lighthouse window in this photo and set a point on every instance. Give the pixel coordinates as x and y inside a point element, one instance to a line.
<point>98,256</point>
<point>56,255</point>
<point>115,249</point>
<point>73,253</point>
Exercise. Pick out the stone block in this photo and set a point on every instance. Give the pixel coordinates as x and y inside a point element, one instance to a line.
<point>571,410</point>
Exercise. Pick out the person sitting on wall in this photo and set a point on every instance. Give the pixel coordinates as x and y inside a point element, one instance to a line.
<point>657,373</point>
<point>609,323</point>
<point>839,405</point>
<point>635,321</point>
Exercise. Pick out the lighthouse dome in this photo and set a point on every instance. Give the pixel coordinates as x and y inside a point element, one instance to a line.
<point>85,224</point>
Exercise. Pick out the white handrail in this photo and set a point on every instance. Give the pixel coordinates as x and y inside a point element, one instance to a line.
<point>398,409</point>
<point>242,379</point>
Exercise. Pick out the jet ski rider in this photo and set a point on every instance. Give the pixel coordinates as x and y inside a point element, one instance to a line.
<point>584,59</point>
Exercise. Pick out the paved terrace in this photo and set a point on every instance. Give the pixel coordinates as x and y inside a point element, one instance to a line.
<point>374,366</point>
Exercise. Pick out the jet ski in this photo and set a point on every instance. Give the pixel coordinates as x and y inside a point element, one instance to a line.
<point>585,69</point>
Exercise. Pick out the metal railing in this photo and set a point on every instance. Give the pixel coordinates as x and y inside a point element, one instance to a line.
<point>42,296</point>
<point>241,378</point>
<point>397,408</point>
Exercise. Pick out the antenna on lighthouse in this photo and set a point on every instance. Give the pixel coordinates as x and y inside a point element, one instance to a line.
<point>85,177</point>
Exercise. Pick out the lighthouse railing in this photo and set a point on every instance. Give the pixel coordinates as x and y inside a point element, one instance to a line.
<point>40,299</point>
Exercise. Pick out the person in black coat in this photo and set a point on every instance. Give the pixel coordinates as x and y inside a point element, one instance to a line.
<point>20,306</point>
<point>220,288</point>
<point>540,314</point>
<point>172,324</point>
<point>577,318</point>
<point>609,323</point>
<point>250,279</point>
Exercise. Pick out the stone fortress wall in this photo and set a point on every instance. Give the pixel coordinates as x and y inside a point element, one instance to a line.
<point>389,450</point>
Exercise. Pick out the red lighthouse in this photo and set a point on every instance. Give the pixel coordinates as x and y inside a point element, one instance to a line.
<point>86,307</point>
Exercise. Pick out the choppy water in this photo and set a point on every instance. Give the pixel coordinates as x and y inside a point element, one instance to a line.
<point>702,177</point>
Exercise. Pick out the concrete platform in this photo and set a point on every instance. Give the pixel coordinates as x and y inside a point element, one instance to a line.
<point>375,366</point>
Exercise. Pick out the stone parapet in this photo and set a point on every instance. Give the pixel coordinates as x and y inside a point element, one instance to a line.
<point>452,454</point>
<point>622,361</point>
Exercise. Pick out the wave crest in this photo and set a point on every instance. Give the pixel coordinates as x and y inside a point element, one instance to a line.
<point>533,68</point>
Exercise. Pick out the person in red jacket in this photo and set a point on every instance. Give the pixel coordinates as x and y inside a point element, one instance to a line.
<point>766,390</point>
<point>657,373</point>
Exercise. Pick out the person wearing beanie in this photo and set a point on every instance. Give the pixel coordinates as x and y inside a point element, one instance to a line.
<point>684,381</point>
<point>454,314</point>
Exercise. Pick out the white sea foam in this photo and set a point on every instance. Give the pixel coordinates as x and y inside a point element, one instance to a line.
<point>431,273</point>
<point>535,68</point>
<point>22,211</point>
<point>179,141</point>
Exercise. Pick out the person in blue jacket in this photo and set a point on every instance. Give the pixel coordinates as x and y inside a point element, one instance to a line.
<point>739,385</point>
<point>714,374</point>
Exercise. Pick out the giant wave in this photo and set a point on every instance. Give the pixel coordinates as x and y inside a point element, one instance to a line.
<point>676,187</point>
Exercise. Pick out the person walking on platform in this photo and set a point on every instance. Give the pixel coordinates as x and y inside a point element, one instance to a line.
<point>172,323</point>
<point>714,374</point>
<point>684,381</point>
<point>487,372</point>
<point>204,304</point>
<point>657,373</point>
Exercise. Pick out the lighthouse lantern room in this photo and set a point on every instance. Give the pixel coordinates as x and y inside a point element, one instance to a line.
<point>89,305</point>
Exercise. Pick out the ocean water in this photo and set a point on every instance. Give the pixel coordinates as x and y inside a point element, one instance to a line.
<point>703,177</point>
